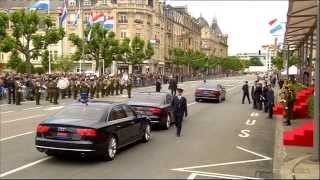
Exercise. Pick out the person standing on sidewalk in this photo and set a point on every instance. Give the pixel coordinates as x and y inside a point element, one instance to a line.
<point>270,100</point>
<point>245,91</point>
<point>289,102</point>
<point>180,109</point>
<point>158,85</point>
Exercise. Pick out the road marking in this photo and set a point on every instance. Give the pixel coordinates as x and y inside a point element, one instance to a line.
<point>227,176</point>
<point>20,119</point>
<point>24,167</point>
<point>244,133</point>
<point>190,104</point>
<point>4,105</point>
<point>6,112</point>
<point>31,108</point>
<point>11,137</point>
<point>254,114</point>
<point>192,176</point>
<point>221,176</point>
<point>54,108</point>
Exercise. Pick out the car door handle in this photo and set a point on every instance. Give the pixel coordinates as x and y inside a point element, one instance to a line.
<point>118,126</point>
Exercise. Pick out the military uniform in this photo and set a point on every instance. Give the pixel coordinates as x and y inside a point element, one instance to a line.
<point>117,86</point>
<point>99,87</point>
<point>55,92</point>
<point>75,88</point>
<point>92,88</point>
<point>290,98</point>
<point>112,86</point>
<point>50,90</point>
<point>84,88</point>
<point>129,87</point>
<point>18,90</point>
<point>37,92</point>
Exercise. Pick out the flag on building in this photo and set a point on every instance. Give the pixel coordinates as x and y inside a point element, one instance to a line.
<point>272,21</point>
<point>109,23</point>
<point>41,5</point>
<point>99,18</point>
<point>64,14</point>
<point>75,22</point>
<point>276,28</point>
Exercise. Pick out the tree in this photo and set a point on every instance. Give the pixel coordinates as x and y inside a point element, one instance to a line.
<point>149,51</point>
<point>25,38</point>
<point>277,62</point>
<point>45,60</point>
<point>232,63</point>
<point>100,46</point>
<point>176,56</point>
<point>64,64</point>
<point>255,62</point>
<point>14,60</point>
<point>137,53</point>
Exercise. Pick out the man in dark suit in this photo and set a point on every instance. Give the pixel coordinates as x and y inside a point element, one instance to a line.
<point>173,86</point>
<point>179,105</point>
<point>270,100</point>
<point>245,90</point>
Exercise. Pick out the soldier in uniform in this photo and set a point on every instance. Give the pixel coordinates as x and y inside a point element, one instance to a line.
<point>92,87</point>
<point>121,86</point>
<point>129,87</point>
<point>10,83</point>
<point>289,102</point>
<point>84,87</point>
<point>37,91</point>
<point>117,85</point>
<point>18,90</point>
<point>111,86</point>
<point>50,90</point>
<point>99,87</point>
<point>55,91</point>
<point>74,88</point>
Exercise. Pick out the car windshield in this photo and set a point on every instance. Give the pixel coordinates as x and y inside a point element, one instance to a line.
<point>208,86</point>
<point>148,98</point>
<point>81,112</point>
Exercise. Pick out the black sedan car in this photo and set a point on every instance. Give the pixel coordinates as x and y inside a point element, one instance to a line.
<point>96,128</point>
<point>156,105</point>
<point>210,92</point>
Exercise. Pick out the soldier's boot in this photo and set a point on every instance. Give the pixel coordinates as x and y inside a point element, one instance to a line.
<point>37,99</point>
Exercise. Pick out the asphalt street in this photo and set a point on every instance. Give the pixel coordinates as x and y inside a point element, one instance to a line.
<point>228,140</point>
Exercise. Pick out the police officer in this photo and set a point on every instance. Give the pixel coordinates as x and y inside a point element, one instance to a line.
<point>179,106</point>
<point>245,91</point>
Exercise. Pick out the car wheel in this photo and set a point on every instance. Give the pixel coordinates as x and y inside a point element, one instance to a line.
<point>197,100</point>
<point>220,99</point>
<point>111,149</point>
<point>147,133</point>
<point>50,153</point>
<point>167,124</point>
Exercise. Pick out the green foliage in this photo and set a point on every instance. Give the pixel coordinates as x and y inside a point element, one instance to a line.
<point>232,63</point>
<point>64,64</point>
<point>176,56</point>
<point>14,60</point>
<point>24,67</point>
<point>311,106</point>
<point>277,62</point>
<point>297,86</point>
<point>45,60</point>
<point>255,62</point>
<point>25,38</point>
<point>39,70</point>
<point>149,50</point>
<point>101,46</point>
<point>137,54</point>
<point>4,20</point>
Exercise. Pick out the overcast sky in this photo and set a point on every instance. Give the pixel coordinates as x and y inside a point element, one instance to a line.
<point>245,22</point>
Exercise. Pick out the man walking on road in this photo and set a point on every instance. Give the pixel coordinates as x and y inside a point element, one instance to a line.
<point>270,100</point>
<point>245,90</point>
<point>179,105</point>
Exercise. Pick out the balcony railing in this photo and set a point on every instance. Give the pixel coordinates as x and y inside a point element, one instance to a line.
<point>121,21</point>
<point>135,6</point>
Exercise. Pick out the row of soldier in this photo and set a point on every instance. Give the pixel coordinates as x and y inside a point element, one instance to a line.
<point>53,86</point>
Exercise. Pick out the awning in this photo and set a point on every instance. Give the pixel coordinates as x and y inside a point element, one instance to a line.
<point>301,21</point>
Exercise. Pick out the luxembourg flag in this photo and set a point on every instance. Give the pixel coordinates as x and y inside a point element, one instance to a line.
<point>63,16</point>
<point>274,26</point>
<point>74,23</point>
<point>42,5</point>
<point>108,24</point>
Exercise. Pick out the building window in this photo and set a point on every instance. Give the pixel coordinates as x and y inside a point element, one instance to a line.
<point>123,34</point>
<point>140,1</point>
<point>87,2</point>
<point>123,18</point>
<point>150,3</point>
<point>72,2</point>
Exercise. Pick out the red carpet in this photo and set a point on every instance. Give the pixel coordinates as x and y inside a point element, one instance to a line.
<point>300,136</point>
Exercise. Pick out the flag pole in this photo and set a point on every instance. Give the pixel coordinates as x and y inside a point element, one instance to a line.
<point>49,68</point>
<point>82,53</point>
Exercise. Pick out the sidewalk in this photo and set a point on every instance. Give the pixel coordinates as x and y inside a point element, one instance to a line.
<point>292,162</point>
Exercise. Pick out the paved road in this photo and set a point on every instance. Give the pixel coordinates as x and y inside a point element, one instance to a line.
<point>227,140</point>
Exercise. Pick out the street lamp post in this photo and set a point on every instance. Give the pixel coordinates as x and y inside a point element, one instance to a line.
<point>316,147</point>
